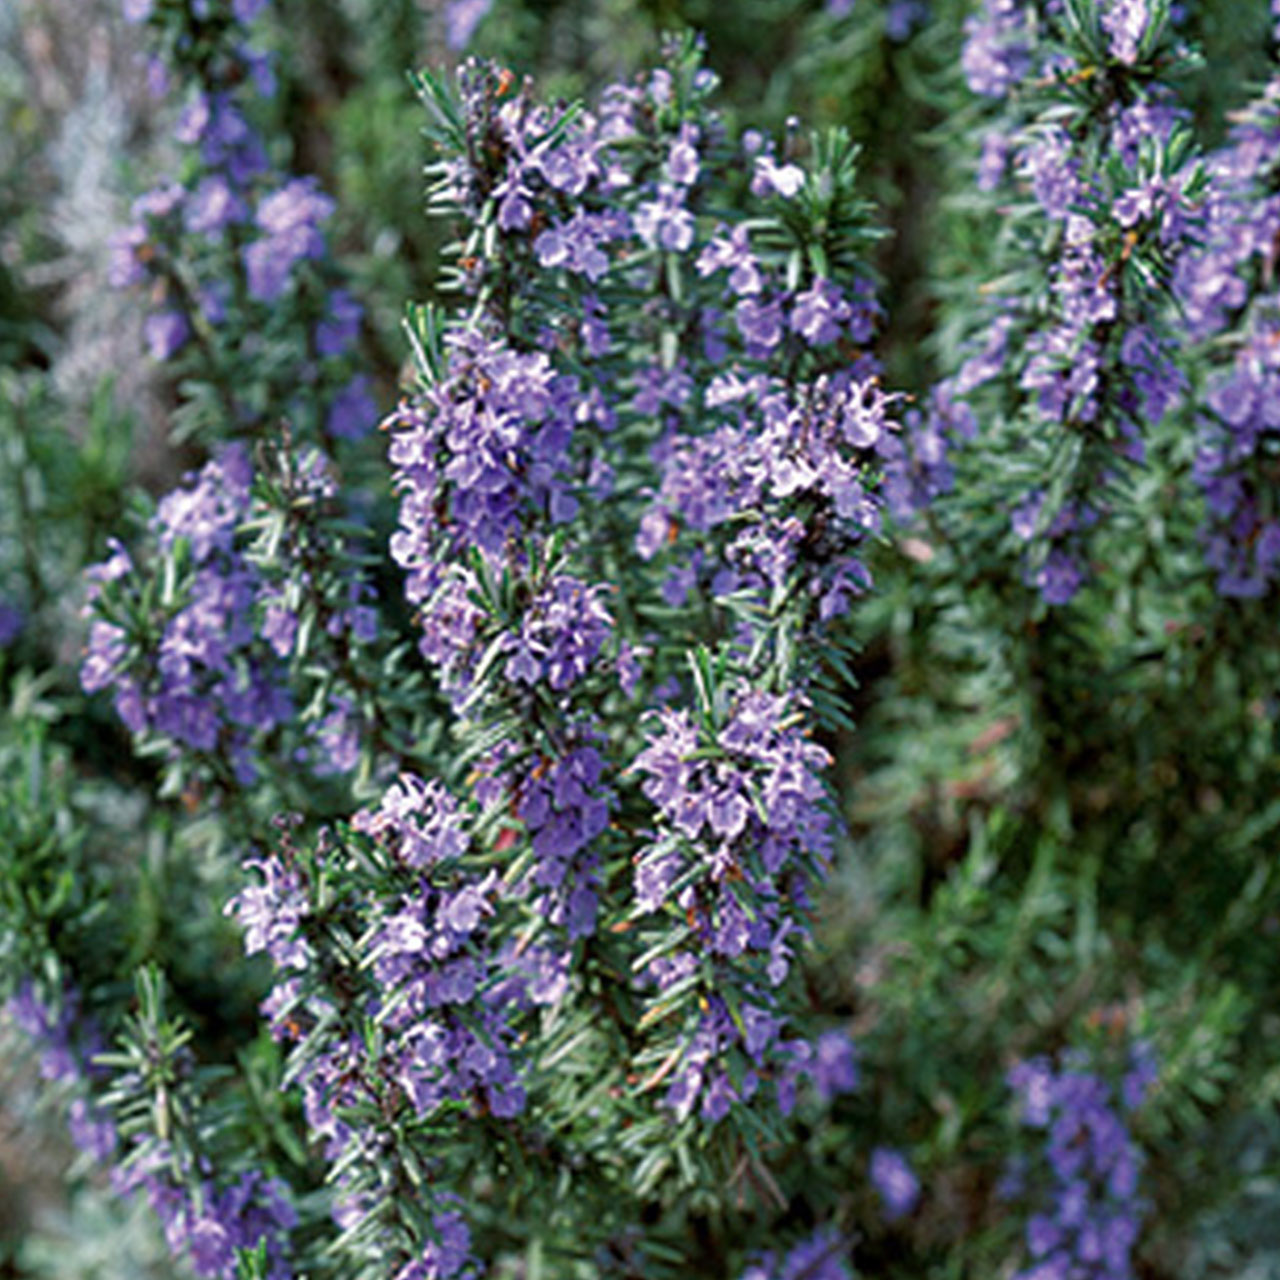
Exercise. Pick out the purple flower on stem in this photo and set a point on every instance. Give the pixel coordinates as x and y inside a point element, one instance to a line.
<point>771,178</point>
<point>761,324</point>
<point>665,223</point>
<point>732,252</point>
<point>418,821</point>
<point>1088,1213</point>
<point>1125,22</point>
<point>997,50</point>
<point>818,313</point>
<point>1060,577</point>
<point>272,914</point>
<point>290,219</point>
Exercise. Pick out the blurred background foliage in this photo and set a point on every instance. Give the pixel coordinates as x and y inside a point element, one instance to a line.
<point>1062,832</point>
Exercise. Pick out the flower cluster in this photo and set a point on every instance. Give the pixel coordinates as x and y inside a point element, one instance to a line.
<point>425,1023</point>
<point>1114,191</point>
<point>742,809</point>
<point>533,407</point>
<point>237,247</point>
<point>482,460</point>
<point>564,805</point>
<point>604,203</point>
<point>999,39</point>
<point>446,1255</point>
<point>237,253</point>
<point>1224,290</point>
<point>787,474</point>
<point>426,954</point>
<point>484,465</point>
<point>203,666</point>
<point>1091,1210</point>
<point>743,839</point>
<point>482,453</point>
<point>200,683</point>
<point>207,1226</point>
<point>59,1035</point>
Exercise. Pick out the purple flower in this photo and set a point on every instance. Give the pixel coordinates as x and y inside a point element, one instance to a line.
<point>997,51</point>
<point>166,332</point>
<point>92,1132</point>
<point>561,633</point>
<point>759,323</point>
<point>1048,162</point>
<point>239,1216</point>
<point>227,143</point>
<point>818,313</point>
<point>1125,22</point>
<point>1086,1219</point>
<point>272,913</point>
<point>213,206</point>
<point>338,332</point>
<point>419,822</point>
<point>835,1065</point>
<point>577,245</point>
<point>682,160</point>
<point>126,269</point>
<point>1026,516</point>
<point>268,269</point>
<point>1143,1072</point>
<point>994,160</point>
<point>290,219</point>
<point>665,223</point>
<point>66,1041</point>
<point>1060,577</point>
<point>895,1180</point>
<point>105,652</point>
<point>444,1256</point>
<point>824,1256</point>
<point>210,1247</point>
<point>280,627</point>
<point>903,16</point>
<point>194,120</point>
<point>745,867</point>
<point>461,18</point>
<point>352,412</point>
<point>771,178</point>
<point>338,740</point>
<point>732,252</point>
<point>565,806</point>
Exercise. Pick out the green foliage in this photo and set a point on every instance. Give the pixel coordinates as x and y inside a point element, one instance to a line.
<point>1062,825</point>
